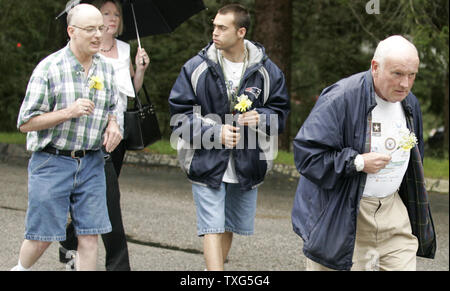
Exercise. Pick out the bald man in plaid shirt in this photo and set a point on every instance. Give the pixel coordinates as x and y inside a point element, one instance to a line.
<point>69,114</point>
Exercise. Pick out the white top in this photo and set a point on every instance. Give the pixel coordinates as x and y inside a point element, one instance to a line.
<point>233,73</point>
<point>388,125</point>
<point>122,78</point>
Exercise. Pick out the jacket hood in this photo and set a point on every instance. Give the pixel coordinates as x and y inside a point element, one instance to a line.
<point>256,53</point>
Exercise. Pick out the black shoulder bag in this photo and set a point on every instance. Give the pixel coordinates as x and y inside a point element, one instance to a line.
<point>141,126</point>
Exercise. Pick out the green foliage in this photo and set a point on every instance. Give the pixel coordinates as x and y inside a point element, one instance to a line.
<point>335,39</point>
<point>436,168</point>
<point>327,46</point>
<point>429,26</point>
<point>285,158</point>
<point>332,39</point>
<point>13,137</point>
<point>28,33</point>
<point>161,147</point>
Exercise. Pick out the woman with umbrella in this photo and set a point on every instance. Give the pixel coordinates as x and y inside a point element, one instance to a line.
<point>117,53</point>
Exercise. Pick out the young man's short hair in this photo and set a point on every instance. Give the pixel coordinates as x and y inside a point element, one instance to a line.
<point>241,15</point>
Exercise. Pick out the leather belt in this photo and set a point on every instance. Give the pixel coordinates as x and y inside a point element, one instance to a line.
<point>67,153</point>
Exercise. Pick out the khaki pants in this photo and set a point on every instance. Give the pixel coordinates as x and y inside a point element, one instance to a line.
<point>384,240</point>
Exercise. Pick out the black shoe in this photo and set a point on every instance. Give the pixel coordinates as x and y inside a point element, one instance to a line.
<point>65,256</point>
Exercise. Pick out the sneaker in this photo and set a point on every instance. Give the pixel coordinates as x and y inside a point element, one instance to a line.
<point>19,268</point>
<point>65,256</point>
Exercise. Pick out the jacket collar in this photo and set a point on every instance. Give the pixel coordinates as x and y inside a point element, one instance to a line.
<point>369,92</point>
<point>256,53</point>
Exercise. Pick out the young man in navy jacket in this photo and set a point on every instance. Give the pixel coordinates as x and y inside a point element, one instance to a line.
<point>228,106</point>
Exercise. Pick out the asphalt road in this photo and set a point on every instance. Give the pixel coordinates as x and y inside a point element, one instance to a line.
<point>159,217</point>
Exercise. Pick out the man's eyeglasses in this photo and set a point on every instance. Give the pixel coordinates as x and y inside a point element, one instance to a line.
<point>91,29</point>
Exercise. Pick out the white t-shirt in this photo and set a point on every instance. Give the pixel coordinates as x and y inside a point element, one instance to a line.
<point>233,73</point>
<point>122,78</point>
<point>388,125</point>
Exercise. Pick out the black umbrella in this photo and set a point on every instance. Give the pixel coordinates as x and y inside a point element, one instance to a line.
<point>151,16</point>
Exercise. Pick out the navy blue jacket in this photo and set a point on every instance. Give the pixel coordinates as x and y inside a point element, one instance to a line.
<point>329,191</point>
<point>198,105</point>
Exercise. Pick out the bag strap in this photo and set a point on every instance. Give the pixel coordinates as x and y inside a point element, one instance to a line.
<point>137,101</point>
<point>147,96</point>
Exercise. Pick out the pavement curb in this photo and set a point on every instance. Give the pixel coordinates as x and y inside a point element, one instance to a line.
<point>10,152</point>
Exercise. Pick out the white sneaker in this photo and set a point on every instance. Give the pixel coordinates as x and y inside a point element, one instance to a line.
<point>18,268</point>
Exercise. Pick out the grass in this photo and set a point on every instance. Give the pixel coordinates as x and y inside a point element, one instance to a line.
<point>433,167</point>
<point>13,137</point>
<point>161,147</point>
<point>436,168</point>
<point>285,158</point>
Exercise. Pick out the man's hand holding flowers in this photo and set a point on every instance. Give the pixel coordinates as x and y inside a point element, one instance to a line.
<point>246,118</point>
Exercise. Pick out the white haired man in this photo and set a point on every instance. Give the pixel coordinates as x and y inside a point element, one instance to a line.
<point>69,113</point>
<point>361,203</point>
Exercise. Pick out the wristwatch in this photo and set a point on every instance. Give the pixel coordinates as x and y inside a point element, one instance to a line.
<point>359,163</point>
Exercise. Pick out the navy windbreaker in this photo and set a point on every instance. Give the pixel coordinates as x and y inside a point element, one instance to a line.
<point>327,197</point>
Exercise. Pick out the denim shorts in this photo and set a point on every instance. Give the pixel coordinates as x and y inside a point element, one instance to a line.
<point>58,185</point>
<point>224,209</point>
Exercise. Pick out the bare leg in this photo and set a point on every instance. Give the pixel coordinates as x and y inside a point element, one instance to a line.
<point>31,251</point>
<point>212,250</point>
<point>87,253</point>
<point>227,238</point>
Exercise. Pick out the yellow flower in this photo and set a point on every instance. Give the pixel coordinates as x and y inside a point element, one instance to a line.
<point>244,103</point>
<point>96,83</point>
<point>408,140</point>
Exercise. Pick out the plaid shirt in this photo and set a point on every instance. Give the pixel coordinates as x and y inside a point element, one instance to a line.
<point>58,81</point>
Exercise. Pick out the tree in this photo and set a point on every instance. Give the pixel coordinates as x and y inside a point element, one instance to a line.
<point>273,29</point>
<point>315,43</point>
<point>328,45</point>
<point>28,33</point>
<point>429,26</point>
